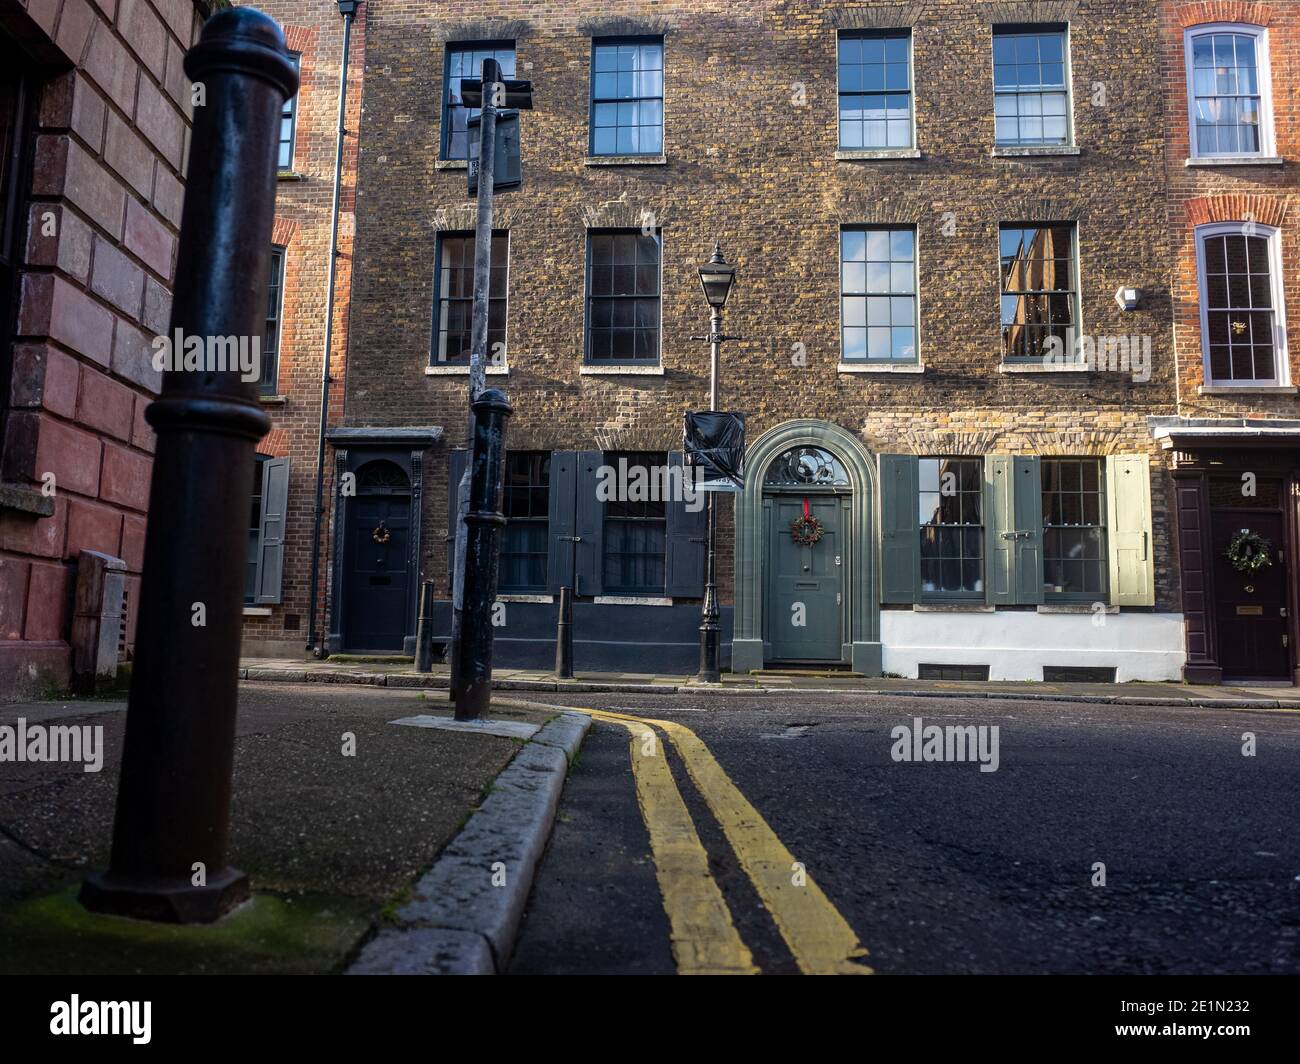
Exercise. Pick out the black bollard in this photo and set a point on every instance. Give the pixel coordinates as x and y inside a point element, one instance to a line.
<point>173,802</point>
<point>471,678</point>
<point>424,629</point>
<point>564,635</point>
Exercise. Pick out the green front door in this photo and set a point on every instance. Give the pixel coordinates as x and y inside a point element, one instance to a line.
<point>804,589</point>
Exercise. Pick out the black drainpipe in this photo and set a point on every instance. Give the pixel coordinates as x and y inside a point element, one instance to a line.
<point>348,9</point>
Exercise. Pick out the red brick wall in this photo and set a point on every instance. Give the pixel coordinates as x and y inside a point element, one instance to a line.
<point>314,29</point>
<point>107,180</point>
<point>1269,195</point>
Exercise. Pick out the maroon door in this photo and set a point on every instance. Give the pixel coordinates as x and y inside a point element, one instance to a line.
<point>1251,607</point>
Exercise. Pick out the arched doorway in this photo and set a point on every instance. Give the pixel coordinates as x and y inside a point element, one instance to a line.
<point>808,597</point>
<point>378,578</point>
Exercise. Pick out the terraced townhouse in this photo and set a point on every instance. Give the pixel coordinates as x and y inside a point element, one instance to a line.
<point>953,288</point>
<point>1231,70</point>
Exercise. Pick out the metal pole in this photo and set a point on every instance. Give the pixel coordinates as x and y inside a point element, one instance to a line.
<point>173,803</point>
<point>329,336</point>
<point>472,680</point>
<point>478,339</point>
<point>710,658</point>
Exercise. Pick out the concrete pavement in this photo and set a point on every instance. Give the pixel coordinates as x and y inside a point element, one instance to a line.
<point>401,674</point>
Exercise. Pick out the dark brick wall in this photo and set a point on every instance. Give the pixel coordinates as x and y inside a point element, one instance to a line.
<point>102,216</point>
<point>747,163</point>
<point>314,29</point>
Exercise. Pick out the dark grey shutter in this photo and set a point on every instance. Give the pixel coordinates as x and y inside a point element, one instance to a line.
<point>684,544</point>
<point>591,525</point>
<point>564,478</point>
<point>270,555</point>
<point>456,461</point>
<point>900,563</point>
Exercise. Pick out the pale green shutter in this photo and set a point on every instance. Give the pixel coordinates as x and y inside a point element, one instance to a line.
<point>900,562</point>
<point>999,524</point>
<point>1013,531</point>
<point>1029,530</point>
<point>1128,532</point>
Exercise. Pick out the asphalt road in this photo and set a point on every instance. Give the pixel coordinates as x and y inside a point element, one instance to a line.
<point>939,867</point>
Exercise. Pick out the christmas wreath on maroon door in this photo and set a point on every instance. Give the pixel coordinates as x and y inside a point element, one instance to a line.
<point>806,529</point>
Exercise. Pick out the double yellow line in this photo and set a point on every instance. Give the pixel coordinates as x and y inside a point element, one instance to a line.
<point>705,940</point>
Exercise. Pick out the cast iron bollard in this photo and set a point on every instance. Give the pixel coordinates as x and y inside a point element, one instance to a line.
<point>564,634</point>
<point>471,678</point>
<point>424,629</point>
<point>173,805</point>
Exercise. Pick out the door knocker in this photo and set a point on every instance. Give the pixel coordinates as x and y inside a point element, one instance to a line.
<point>381,534</point>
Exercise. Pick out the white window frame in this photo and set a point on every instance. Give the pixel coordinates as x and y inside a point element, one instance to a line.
<point>1281,358</point>
<point>1267,143</point>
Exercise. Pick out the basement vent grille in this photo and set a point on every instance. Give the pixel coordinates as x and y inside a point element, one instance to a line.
<point>952,672</point>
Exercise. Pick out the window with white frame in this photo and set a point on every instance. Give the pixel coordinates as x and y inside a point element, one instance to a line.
<point>1031,85</point>
<point>878,304</point>
<point>1243,329</point>
<point>1229,105</point>
<point>875,91</point>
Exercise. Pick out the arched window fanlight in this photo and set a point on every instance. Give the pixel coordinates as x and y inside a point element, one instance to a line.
<point>806,467</point>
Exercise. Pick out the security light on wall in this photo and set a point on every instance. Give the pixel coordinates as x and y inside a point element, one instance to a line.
<point>1127,298</point>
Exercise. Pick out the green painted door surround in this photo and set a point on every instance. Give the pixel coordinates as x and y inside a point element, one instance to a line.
<point>859,577</point>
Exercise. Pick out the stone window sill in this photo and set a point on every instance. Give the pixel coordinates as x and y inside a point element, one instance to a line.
<point>25,499</point>
<point>257,611</point>
<point>1039,367</point>
<point>914,368</point>
<point>273,400</point>
<point>290,175</point>
<point>451,164</point>
<point>631,600</point>
<point>953,607</point>
<point>845,155</point>
<point>621,371</point>
<point>626,160</point>
<point>1252,389</point>
<point>543,599</point>
<point>1073,607</point>
<point>444,369</point>
<point>1235,160</point>
<point>1031,151</point>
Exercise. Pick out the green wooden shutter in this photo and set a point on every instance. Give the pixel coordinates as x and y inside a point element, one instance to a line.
<point>275,498</point>
<point>999,523</point>
<point>900,562</point>
<point>1128,532</point>
<point>1013,531</point>
<point>1028,491</point>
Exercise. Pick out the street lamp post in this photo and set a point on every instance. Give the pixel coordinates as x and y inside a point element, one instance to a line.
<point>716,278</point>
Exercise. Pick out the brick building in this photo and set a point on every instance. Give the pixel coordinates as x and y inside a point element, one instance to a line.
<point>278,589</point>
<point>1231,72</point>
<point>953,288</point>
<point>95,125</point>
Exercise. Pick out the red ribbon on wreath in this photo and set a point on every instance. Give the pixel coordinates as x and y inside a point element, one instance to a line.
<point>806,530</point>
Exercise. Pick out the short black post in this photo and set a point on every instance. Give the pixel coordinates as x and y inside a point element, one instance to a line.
<point>173,803</point>
<point>564,636</point>
<point>424,629</point>
<point>471,680</point>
